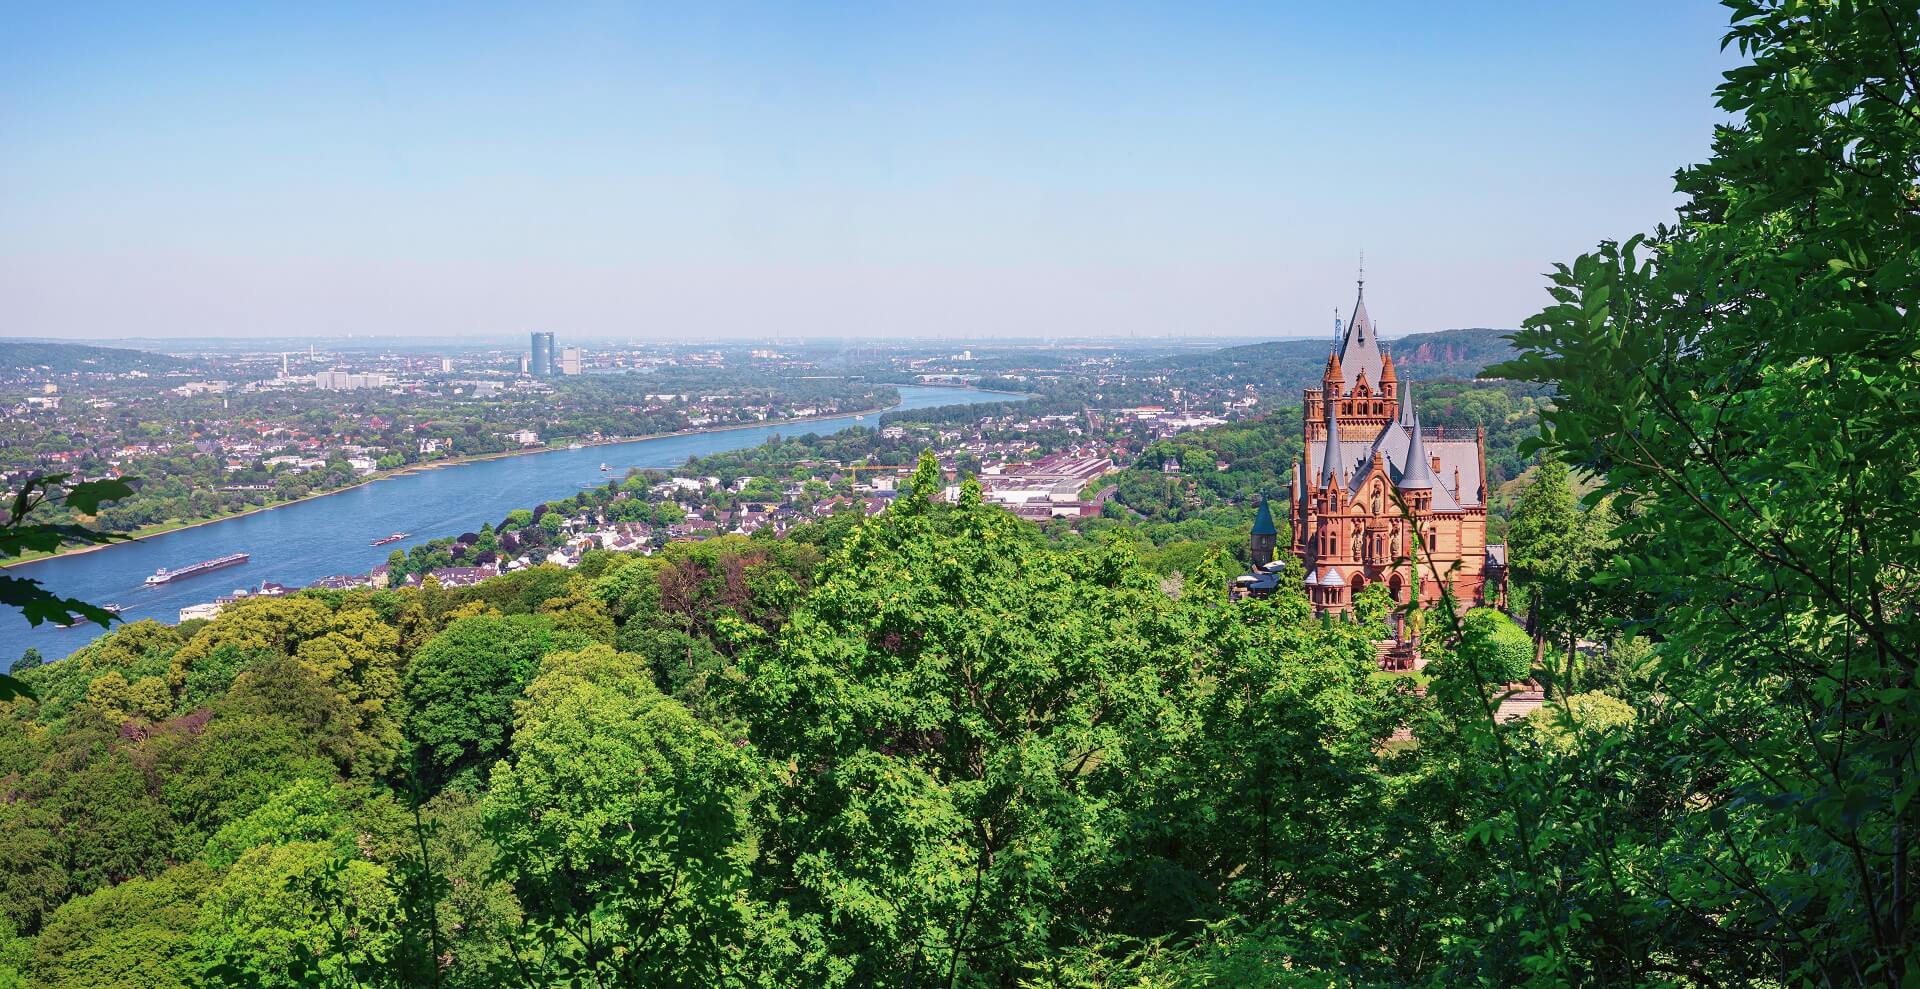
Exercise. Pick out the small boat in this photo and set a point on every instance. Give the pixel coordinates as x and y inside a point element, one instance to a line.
<point>604,468</point>
<point>383,540</point>
<point>163,575</point>
<point>111,609</point>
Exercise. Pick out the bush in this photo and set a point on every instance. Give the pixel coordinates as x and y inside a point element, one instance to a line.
<point>1496,648</point>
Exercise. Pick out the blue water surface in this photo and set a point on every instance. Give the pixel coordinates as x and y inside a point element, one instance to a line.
<point>299,543</point>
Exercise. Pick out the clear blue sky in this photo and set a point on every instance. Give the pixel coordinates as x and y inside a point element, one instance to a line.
<point>697,171</point>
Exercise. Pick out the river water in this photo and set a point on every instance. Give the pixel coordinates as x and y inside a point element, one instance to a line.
<point>299,543</point>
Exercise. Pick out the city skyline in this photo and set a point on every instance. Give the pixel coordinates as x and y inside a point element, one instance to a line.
<point>612,174</point>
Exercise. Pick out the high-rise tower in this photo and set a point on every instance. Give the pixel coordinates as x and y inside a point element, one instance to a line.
<point>542,363</point>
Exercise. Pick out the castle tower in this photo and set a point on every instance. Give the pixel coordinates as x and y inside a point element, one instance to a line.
<point>1265,534</point>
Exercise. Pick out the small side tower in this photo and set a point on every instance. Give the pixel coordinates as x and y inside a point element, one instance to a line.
<point>1265,534</point>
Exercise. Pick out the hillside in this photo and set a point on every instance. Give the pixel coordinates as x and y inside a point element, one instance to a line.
<point>21,357</point>
<point>1295,364</point>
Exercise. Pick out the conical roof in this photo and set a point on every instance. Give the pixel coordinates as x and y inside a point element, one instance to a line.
<point>1263,520</point>
<point>1418,474</point>
<point>1330,455</point>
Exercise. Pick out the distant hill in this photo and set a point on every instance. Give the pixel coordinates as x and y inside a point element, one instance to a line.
<point>19,357</point>
<point>1419,357</point>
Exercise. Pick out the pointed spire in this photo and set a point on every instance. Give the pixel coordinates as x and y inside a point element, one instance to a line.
<point>1387,374</point>
<point>1330,454</point>
<point>1359,348</point>
<point>1418,474</point>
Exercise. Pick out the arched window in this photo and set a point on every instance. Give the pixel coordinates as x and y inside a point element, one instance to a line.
<point>1396,589</point>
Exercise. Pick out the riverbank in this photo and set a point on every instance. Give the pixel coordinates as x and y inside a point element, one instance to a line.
<point>162,528</point>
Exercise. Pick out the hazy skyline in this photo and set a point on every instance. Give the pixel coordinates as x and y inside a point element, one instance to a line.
<point>759,171</point>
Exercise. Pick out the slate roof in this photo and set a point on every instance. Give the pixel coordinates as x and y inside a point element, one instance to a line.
<point>1395,444</point>
<point>1263,520</point>
<point>1360,347</point>
<point>1331,454</point>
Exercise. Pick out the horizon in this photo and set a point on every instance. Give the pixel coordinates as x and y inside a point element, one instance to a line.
<point>181,344</point>
<point>895,174</point>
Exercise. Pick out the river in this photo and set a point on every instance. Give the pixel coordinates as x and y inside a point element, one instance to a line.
<point>299,543</point>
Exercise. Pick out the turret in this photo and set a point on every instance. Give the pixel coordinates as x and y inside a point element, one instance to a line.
<point>1418,473</point>
<point>1264,535</point>
<point>1330,453</point>
<point>1389,380</point>
<point>1330,381</point>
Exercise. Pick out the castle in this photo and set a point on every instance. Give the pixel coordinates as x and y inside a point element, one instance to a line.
<point>1370,479</point>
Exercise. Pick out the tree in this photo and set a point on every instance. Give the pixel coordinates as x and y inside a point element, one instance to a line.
<point>1741,382</point>
<point>1502,653</point>
<point>18,536</point>
<point>461,687</point>
<point>27,661</point>
<point>136,934</point>
<point>945,717</point>
<point>261,919</point>
<point>358,657</point>
<point>622,825</point>
<point>1554,549</point>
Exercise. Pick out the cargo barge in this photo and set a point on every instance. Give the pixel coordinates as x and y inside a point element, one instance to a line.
<point>163,575</point>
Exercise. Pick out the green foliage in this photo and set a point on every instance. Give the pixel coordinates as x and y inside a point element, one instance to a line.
<point>18,536</point>
<point>136,935</point>
<point>461,686</point>
<point>1742,384</point>
<point>1494,648</point>
<point>1561,726</point>
<point>261,920</point>
<point>306,810</point>
<point>27,661</point>
<point>943,747</point>
<point>946,714</point>
<point>622,828</point>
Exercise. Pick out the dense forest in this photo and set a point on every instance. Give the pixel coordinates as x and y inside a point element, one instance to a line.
<point>934,748</point>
